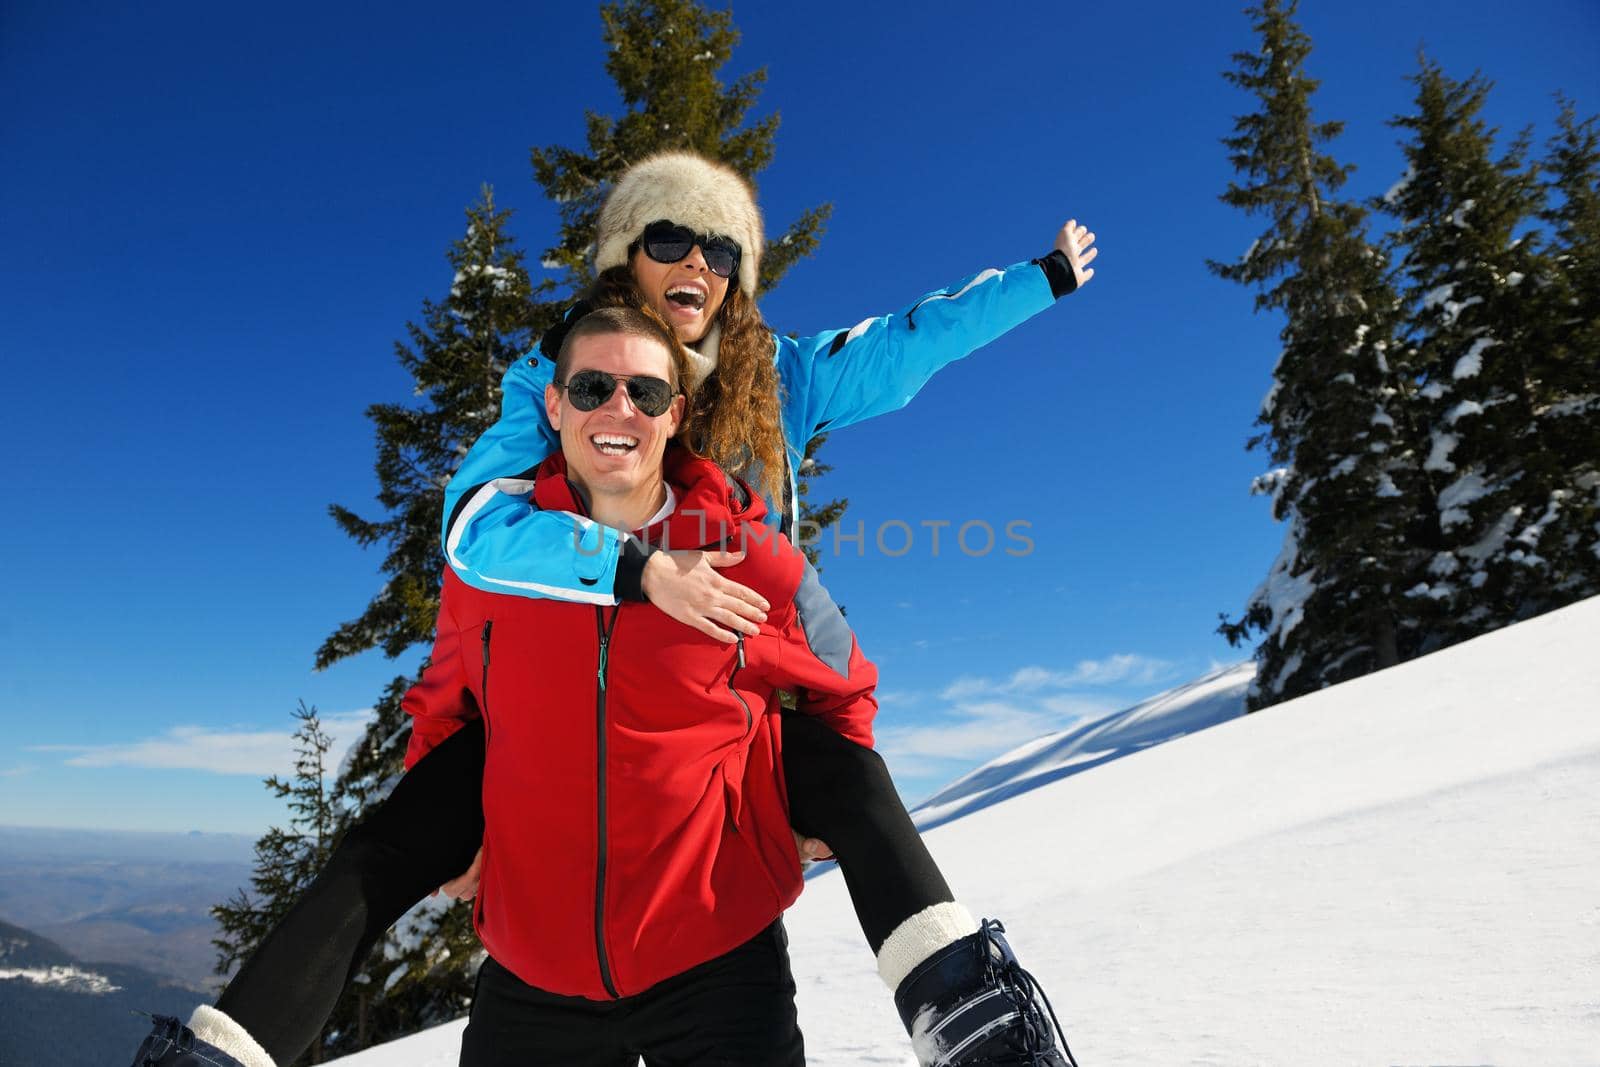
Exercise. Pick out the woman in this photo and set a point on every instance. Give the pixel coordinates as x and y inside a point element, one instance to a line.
<point>673,234</point>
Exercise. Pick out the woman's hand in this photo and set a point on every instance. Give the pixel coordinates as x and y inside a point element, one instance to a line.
<point>463,886</point>
<point>687,587</point>
<point>1076,242</point>
<point>810,848</point>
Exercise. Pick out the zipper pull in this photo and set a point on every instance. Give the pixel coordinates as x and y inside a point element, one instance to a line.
<point>600,671</point>
<point>741,650</point>
<point>488,624</point>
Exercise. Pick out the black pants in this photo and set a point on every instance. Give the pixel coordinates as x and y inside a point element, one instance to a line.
<point>737,1009</point>
<point>430,827</point>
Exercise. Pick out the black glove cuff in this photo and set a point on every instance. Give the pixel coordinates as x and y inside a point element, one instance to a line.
<point>1058,272</point>
<point>630,570</point>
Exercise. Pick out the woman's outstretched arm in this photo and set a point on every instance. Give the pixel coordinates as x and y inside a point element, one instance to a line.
<point>839,377</point>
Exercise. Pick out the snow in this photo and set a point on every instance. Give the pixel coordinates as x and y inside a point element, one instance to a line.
<point>1440,297</point>
<point>1460,494</point>
<point>1443,565</point>
<point>1470,364</point>
<point>1271,483</point>
<point>1576,405</point>
<point>1284,592</point>
<point>1461,410</point>
<point>1458,217</point>
<point>1398,188</point>
<point>1270,401</point>
<point>62,976</point>
<point>1492,543</point>
<point>1439,458</point>
<point>499,277</point>
<point>1212,698</point>
<point>1396,870</point>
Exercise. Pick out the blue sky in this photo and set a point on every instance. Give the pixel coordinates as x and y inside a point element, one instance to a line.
<point>215,222</point>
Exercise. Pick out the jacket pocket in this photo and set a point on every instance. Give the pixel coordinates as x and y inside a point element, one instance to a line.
<point>477,901</point>
<point>483,683</point>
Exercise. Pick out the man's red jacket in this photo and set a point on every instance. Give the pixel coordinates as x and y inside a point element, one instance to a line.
<point>635,811</point>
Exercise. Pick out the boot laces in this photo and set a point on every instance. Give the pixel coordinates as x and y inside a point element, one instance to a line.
<point>175,1034</point>
<point>1021,987</point>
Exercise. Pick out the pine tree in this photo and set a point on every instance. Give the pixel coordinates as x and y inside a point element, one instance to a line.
<point>1472,274</point>
<point>456,357</point>
<point>664,57</point>
<point>1334,421</point>
<point>1566,357</point>
<point>286,860</point>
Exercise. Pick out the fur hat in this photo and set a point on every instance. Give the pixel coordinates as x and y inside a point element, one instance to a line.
<point>691,190</point>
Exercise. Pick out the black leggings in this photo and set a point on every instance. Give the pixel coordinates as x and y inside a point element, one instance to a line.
<point>431,826</point>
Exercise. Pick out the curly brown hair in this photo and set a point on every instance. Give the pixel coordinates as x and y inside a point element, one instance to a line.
<point>735,417</point>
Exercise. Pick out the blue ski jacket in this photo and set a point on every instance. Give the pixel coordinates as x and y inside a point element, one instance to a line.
<point>495,541</point>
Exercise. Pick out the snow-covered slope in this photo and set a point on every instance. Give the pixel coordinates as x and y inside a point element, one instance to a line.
<point>1210,699</point>
<point>1399,870</point>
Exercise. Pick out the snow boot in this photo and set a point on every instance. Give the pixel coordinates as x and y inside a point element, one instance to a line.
<point>971,1003</point>
<point>171,1044</point>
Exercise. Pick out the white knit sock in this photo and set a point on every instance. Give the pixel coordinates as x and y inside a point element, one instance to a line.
<point>211,1025</point>
<point>919,937</point>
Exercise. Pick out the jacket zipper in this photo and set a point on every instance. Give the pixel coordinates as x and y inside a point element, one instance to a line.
<point>483,688</point>
<point>749,719</point>
<point>488,625</point>
<point>603,629</point>
<point>749,723</point>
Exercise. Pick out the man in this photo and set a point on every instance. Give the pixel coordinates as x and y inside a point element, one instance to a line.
<point>637,850</point>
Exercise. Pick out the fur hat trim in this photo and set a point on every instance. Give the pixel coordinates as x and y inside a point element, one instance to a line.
<point>691,190</point>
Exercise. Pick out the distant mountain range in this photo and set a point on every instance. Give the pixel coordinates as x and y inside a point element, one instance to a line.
<point>58,1010</point>
<point>133,898</point>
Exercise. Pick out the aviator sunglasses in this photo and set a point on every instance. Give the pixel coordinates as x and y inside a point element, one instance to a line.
<point>667,242</point>
<point>588,389</point>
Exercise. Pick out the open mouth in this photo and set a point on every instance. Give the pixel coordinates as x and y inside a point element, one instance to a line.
<point>687,297</point>
<point>614,444</point>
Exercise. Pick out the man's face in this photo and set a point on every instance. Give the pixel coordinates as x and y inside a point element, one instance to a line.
<point>685,293</point>
<point>614,450</point>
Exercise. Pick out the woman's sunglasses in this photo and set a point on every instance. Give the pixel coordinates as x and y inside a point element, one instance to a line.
<point>588,389</point>
<point>667,242</point>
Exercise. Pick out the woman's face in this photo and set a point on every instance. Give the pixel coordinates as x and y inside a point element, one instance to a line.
<point>686,293</point>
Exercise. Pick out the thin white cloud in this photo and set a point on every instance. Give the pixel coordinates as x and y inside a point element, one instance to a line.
<point>985,717</point>
<point>17,771</point>
<point>1126,668</point>
<point>257,753</point>
<point>969,731</point>
<point>1121,669</point>
<point>967,687</point>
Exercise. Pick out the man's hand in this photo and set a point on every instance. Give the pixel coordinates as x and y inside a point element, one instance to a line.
<point>1077,244</point>
<point>687,587</point>
<point>810,848</point>
<point>463,886</point>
